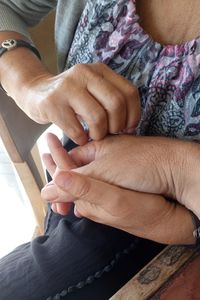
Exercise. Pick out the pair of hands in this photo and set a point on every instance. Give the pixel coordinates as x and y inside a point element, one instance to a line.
<point>119,182</point>
<point>106,101</point>
<point>109,104</point>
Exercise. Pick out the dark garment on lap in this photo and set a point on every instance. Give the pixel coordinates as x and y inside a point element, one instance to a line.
<point>75,259</point>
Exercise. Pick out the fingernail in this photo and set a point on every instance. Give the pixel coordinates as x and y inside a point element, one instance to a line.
<point>54,207</point>
<point>63,181</point>
<point>77,214</point>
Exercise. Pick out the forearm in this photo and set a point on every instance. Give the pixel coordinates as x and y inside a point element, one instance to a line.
<point>18,68</point>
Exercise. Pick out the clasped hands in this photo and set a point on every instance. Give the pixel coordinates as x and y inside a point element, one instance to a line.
<point>123,181</point>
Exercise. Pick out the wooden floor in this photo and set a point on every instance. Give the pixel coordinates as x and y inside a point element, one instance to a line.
<point>16,220</point>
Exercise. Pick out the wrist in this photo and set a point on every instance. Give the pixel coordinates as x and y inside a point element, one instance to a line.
<point>188,171</point>
<point>17,79</point>
<point>19,65</point>
<point>31,95</point>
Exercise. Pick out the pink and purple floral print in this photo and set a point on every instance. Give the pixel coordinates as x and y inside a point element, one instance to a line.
<point>167,76</point>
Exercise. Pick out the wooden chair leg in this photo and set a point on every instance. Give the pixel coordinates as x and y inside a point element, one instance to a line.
<point>33,193</point>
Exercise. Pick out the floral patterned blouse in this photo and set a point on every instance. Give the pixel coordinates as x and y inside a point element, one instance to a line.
<point>168,77</point>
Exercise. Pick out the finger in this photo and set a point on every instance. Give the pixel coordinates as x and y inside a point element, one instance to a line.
<point>96,200</point>
<point>92,197</point>
<point>133,105</point>
<point>52,193</point>
<point>49,163</point>
<point>76,212</point>
<point>58,153</point>
<point>130,93</point>
<point>70,124</point>
<point>100,193</point>
<point>112,100</point>
<point>54,207</point>
<point>84,155</point>
<point>91,111</point>
<point>85,188</point>
<point>133,108</point>
<point>63,208</point>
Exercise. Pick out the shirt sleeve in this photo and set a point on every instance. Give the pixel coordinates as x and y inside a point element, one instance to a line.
<point>18,15</point>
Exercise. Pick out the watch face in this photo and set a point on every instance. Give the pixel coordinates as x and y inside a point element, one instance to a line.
<point>9,44</point>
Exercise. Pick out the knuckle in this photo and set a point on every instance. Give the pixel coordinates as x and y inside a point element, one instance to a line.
<point>97,118</point>
<point>49,101</point>
<point>118,105</point>
<point>100,65</point>
<point>80,68</point>
<point>116,102</point>
<point>132,91</point>
<point>74,132</point>
<point>44,114</point>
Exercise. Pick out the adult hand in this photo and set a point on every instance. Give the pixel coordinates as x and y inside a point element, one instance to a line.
<point>146,164</point>
<point>106,101</point>
<point>145,215</point>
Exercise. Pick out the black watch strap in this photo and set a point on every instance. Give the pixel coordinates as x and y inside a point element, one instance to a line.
<point>11,44</point>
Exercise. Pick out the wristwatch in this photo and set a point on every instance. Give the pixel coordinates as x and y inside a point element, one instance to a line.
<point>10,44</point>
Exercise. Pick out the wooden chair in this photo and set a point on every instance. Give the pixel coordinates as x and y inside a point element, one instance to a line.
<point>149,282</point>
<point>19,135</point>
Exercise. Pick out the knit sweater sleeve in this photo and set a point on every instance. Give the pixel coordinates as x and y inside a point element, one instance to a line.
<point>19,15</point>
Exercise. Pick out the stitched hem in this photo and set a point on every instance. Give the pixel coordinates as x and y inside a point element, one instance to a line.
<point>91,278</point>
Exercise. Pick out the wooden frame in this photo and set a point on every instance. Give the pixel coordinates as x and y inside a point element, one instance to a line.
<point>22,150</point>
<point>147,282</point>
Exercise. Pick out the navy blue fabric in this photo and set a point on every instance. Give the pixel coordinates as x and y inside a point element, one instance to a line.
<point>75,259</point>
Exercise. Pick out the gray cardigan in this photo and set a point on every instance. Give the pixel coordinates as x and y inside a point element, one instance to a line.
<point>18,15</point>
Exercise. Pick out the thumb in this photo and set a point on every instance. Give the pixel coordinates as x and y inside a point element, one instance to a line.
<point>79,186</point>
<point>85,188</point>
<point>85,154</point>
<point>94,199</point>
